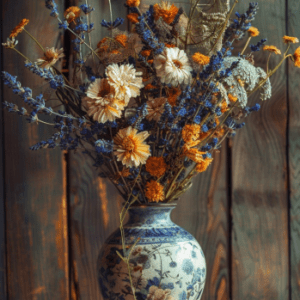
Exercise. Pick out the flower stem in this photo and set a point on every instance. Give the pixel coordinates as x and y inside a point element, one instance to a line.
<point>36,41</point>
<point>20,54</point>
<point>246,45</point>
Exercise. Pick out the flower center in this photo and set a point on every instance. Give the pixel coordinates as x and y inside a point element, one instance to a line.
<point>105,91</point>
<point>128,144</point>
<point>177,63</point>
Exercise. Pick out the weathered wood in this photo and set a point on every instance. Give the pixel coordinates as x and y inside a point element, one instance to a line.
<point>37,245</point>
<point>260,268</point>
<point>293,23</point>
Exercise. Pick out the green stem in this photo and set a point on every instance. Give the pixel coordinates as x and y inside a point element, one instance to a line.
<point>246,45</point>
<point>20,54</point>
<point>36,41</point>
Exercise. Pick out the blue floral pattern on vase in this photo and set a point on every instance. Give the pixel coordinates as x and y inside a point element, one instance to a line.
<point>167,263</point>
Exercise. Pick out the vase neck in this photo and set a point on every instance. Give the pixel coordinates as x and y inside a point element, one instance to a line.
<point>150,216</point>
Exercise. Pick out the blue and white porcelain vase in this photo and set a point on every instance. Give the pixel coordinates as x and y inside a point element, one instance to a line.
<point>166,264</point>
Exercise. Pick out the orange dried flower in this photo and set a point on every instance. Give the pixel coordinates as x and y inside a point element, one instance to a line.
<point>241,82</point>
<point>194,154</point>
<point>200,59</point>
<point>122,39</point>
<point>101,42</point>
<point>150,61</point>
<point>133,3</point>
<point>72,13</point>
<point>253,31</point>
<point>191,133</point>
<point>224,106</point>
<point>133,18</point>
<point>115,52</point>
<point>165,10</point>
<point>203,165</point>
<point>19,28</point>
<point>146,53</point>
<point>156,166</point>
<point>219,132</point>
<point>170,45</point>
<point>290,39</point>
<point>272,49</point>
<point>297,57</point>
<point>173,95</point>
<point>154,191</point>
<point>150,87</point>
<point>232,98</point>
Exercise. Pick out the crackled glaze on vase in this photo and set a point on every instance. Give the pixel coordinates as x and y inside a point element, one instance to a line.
<point>166,256</point>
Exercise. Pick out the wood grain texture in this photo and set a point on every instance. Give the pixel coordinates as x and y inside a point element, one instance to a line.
<point>293,23</point>
<point>260,266</point>
<point>37,251</point>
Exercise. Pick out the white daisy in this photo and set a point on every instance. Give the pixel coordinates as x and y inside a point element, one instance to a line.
<point>172,66</point>
<point>125,80</point>
<point>51,56</point>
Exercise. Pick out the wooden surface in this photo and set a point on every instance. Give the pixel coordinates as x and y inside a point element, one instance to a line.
<point>244,210</point>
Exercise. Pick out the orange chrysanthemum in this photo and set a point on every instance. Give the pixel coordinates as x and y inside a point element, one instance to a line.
<point>173,95</point>
<point>133,3</point>
<point>224,106</point>
<point>72,13</point>
<point>19,28</point>
<point>165,10</point>
<point>200,59</point>
<point>122,39</point>
<point>170,45</point>
<point>130,147</point>
<point>133,18</point>
<point>297,57</point>
<point>232,98</point>
<point>219,132</point>
<point>154,191</point>
<point>193,154</point>
<point>115,52</point>
<point>99,45</point>
<point>290,39</point>
<point>156,166</point>
<point>146,53</point>
<point>272,49</point>
<point>203,165</point>
<point>253,31</point>
<point>191,134</point>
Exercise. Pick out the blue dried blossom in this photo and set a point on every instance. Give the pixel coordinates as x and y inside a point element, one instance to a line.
<point>255,48</point>
<point>82,27</point>
<point>50,4</point>
<point>117,22</point>
<point>104,146</point>
<point>86,8</point>
<point>63,25</point>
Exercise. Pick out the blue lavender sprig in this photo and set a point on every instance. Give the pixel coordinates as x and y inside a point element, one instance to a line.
<point>50,4</point>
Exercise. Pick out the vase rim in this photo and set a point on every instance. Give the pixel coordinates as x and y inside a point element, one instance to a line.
<point>158,205</point>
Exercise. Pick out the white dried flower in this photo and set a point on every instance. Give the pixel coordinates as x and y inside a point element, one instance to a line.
<point>10,43</point>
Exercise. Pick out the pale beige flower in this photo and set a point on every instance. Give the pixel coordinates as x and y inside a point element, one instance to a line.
<point>51,56</point>
<point>10,43</point>
<point>155,108</point>
<point>156,293</point>
<point>101,102</point>
<point>172,66</point>
<point>125,80</point>
<point>130,147</point>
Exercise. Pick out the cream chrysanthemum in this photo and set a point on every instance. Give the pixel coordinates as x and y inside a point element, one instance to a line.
<point>51,56</point>
<point>130,147</point>
<point>172,66</point>
<point>125,80</point>
<point>101,102</point>
<point>155,108</point>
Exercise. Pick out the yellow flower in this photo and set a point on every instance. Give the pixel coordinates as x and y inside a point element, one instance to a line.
<point>122,39</point>
<point>232,98</point>
<point>253,31</point>
<point>51,56</point>
<point>156,166</point>
<point>133,3</point>
<point>272,49</point>
<point>101,102</point>
<point>19,28</point>
<point>297,57</point>
<point>200,59</point>
<point>130,147</point>
<point>290,39</point>
<point>72,13</point>
<point>173,95</point>
<point>194,154</point>
<point>133,18</point>
<point>203,165</point>
<point>165,10</point>
<point>154,191</point>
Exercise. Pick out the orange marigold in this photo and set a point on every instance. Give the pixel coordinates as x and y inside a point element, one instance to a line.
<point>290,39</point>
<point>150,61</point>
<point>133,3</point>
<point>173,95</point>
<point>146,53</point>
<point>297,57</point>
<point>114,52</point>
<point>253,31</point>
<point>224,106</point>
<point>191,133</point>
<point>165,10</point>
<point>154,191</point>
<point>122,39</point>
<point>101,42</point>
<point>200,59</point>
<point>194,154</point>
<point>219,132</point>
<point>19,28</point>
<point>170,45</point>
<point>72,13</point>
<point>232,98</point>
<point>133,18</point>
<point>203,165</point>
<point>156,166</point>
<point>272,49</point>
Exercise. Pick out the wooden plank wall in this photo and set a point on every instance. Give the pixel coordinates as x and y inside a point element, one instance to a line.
<point>244,210</point>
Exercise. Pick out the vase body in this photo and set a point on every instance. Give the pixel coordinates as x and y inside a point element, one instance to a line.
<point>166,257</point>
